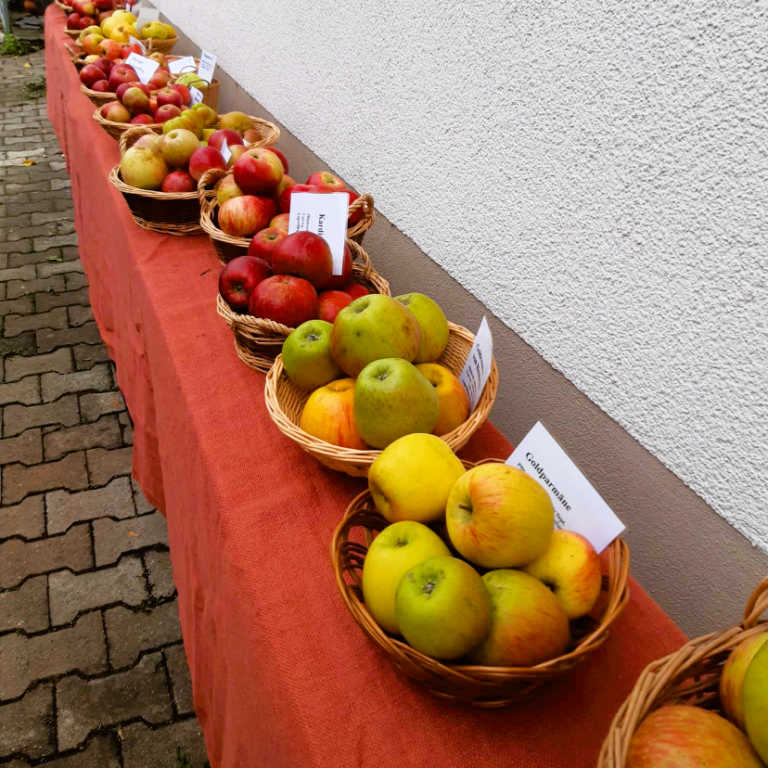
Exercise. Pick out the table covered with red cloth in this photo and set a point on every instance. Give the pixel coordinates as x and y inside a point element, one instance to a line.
<point>282,676</point>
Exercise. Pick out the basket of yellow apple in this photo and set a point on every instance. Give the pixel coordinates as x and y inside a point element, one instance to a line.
<point>704,705</point>
<point>383,368</point>
<point>456,573</point>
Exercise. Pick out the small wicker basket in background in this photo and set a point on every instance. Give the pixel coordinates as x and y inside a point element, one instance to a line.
<point>176,213</point>
<point>259,341</point>
<point>285,402</point>
<point>210,92</point>
<point>479,686</point>
<point>689,676</point>
<point>160,46</point>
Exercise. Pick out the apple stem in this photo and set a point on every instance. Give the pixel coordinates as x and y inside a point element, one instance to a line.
<point>466,509</point>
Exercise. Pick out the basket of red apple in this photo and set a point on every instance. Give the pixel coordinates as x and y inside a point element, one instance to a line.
<point>259,174</point>
<point>285,281</point>
<point>380,369</point>
<point>456,572</point>
<point>158,178</point>
<point>704,705</point>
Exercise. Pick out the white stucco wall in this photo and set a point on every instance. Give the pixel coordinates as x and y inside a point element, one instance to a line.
<point>596,173</point>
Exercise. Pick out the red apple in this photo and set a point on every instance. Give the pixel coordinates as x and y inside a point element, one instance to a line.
<point>330,303</point>
<point>153,105</point>
<point>265,242</point>
<point>101,86</point>
<point>104,5</point>
<point>358,214</point>
<point>203,160</point>
<point>239,278</point>
<point>355,290</point>
<point>87,8</point>
<point>132,48</point>
<point>178,181</point>
<point>143,120</point>
<point>121,89</point>
<point>106,65</point>
<point>285,198</point>
<point>169,96</point>
<point>284,299</point>
<point>186,97</point>
<point>73,21</point>
<point>168,112</point>
<point>258,171</point>
<point>91,74</point>
<point>120,74</point>
<point>282,157</point>
<point>115,112</point>
<point>325,179</point>
<point>87,21</point>
<point>337,282</point>
<point>304,254</point>
<point>109,49</point>
<point>217,139</point>
<point>281,221</point>
<point>136,100</point>
<point>246,215</point>
<point>160,79</point>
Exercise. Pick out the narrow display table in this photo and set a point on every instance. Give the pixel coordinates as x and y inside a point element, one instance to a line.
<point>282,676</point>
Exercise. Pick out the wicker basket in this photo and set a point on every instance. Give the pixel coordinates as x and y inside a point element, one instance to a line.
<point>259,341</point>
<point>160,46</point>
<point>688,676</point>
<point>116,130</point>
<point>164,212</point>
<point>99,98</point>
<point>229,247</point>
<point>63,6</point>
<point>475,685</point>
<point>285,402</point>
<point>73,33</point>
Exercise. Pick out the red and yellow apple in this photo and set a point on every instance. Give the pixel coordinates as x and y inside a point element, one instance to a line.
<point>282,157</point>
<point>239,278</point>
<point>258,172</point>
<point>115,112</point>
<point>245,216</point>
<point>454,403</point>
<point>227,190</point>
<point>204,159</point>
<point>264,243</point>
<point>327,180</point>
<point>329,415</point>
<point>280,222</point>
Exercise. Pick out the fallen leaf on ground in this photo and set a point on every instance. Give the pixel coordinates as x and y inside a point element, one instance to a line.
<point>131,533</point>
<point>27,66</point>
<point>55,258</point>
<point>29,162</point>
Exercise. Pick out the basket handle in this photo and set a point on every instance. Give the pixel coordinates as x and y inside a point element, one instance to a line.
<point>757,605</point>
<point>131,136</point>
<point>209,178</point>
<point>369,215</point>
<point>359,255</point>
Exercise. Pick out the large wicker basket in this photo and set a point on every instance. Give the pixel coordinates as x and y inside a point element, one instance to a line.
<point>160,46</point>
<point>285,402</point>
<point>116,130</point>
<point>164,212</point>
<point>470,684</point>
<point>229,247</point>
<point>259,341</point>
<point>689,676</point>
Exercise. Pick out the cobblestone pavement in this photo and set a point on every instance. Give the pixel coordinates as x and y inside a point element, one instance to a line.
<point>92,670</point>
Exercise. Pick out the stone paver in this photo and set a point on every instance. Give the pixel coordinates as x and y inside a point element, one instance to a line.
<point>92,671</point>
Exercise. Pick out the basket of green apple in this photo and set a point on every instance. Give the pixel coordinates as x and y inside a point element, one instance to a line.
<point>382,368</point>
<point>456,573</point>
<point>298,286</point>
<point>210,90</point>
<point>703,705</point>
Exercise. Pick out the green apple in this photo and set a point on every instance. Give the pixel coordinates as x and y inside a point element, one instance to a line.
<point>307,356</point>
<point>528,625</point>
<point>393,552</point>
<point>412,478</point>
<point>756,702</point>
<point>432,323</point>
<point>371,328</point>
<point>442,607</point>
<point>732,677</point>
<point>392,399</point>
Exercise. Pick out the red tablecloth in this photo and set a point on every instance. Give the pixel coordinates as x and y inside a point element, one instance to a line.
<point>282,676</point>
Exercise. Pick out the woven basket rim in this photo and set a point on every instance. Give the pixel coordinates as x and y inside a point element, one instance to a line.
<point>124,126</point>
<point>690,674</point>
<point>101,95</point>
<point>456,439</point>
<point>495,682</point>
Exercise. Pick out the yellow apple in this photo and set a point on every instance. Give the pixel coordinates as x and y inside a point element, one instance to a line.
<point>154,30</point>
<point>329,415</point>
<point>393,552</point>
<point>442,607</point>
<point>732,678</point>
<point>454,403</point>
<point>110,23</point>
<point>689,737</point>
<point>755,695</point>
<point>412,478</point>
<point>126,16</point>
<point>528,626</point>
<point>499,517</point>
<point>571,569</point>
<point>432,323</point>
<point>171,32</point>
<point>122,33</point>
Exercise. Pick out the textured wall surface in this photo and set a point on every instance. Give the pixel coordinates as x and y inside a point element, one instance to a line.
<point>596,174</point>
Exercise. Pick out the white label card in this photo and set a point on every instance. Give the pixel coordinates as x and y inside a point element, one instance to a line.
<point>143,66</point>
<point>179,66</point>
<point>196,96</point>
<point>477,369</point>
<point>578,506</point>
<point>325,215</point>
<point>144,14</point>
<point>207,66</point>
<point>133,40</point>
<point>226,152</point>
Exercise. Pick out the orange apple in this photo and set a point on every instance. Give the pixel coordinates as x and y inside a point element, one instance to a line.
<point>454,404</point>
<point>689,737</point>
<point>732,679</point>
<point>498,516</point>
<point>571,569</point>
<point>329,415</point>
<point>528,626</point>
